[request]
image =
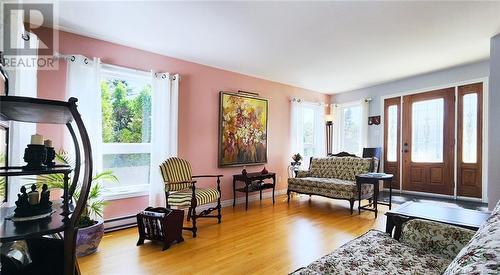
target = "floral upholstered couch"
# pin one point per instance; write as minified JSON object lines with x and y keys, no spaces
{"x":334,"y":177}
{"x":425,"y":247}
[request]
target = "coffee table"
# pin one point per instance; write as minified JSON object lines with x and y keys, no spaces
{"x":466,"y":218}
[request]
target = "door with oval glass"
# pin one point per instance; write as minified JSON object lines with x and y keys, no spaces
{"x":428,"y":134}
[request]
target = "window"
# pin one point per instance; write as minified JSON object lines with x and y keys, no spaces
{"x":427,"y":130}
{"x":308,"y":133}
{"x":350,"y":125}
{"x":126,"y":130}
{"x":392,"y":133}
{"x":469,"y":131}
{"x":308,"y":130}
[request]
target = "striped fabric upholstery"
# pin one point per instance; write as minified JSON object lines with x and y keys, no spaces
{"x":176,"y":170}
{"x":203,"y":196}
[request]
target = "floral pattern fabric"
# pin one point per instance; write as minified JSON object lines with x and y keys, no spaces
{"x":482,"y":254}
{"x":345,"y":168}
{"x":376,"y":252}
{"x":334,"y":177}
{"x":436,"y":238}
{"x":332,"y":188}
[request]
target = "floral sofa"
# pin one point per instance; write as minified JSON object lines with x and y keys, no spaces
{"x":334,"y":177}
{"x":425,"y":247}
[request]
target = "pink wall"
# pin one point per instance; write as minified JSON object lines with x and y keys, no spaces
{"x":198,"y":108}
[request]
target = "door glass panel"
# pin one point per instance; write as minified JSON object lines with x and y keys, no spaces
{"x":392,"y":133}
{"x":469,"y":130}
{"x":427,"y":131}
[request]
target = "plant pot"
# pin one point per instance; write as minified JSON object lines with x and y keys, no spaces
{"x":88,"y":239}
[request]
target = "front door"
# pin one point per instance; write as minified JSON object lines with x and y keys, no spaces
{"x":428,"y":141}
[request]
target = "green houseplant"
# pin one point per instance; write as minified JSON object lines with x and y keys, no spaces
{"x":90,"y":224}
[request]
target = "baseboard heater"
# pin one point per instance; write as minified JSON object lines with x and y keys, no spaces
{"x":120,"y":223}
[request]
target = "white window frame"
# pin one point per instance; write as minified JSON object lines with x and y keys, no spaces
{"x":339,"y":126}
{"x":121,"y":192}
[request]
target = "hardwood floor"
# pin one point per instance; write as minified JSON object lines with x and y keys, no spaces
{"x":266,"y":239}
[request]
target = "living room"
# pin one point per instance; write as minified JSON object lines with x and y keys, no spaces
{"x":322,"y":135}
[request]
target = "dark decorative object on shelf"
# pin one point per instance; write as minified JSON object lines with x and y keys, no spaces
{"x":33,"y":203}
{"x":264,"y":171}
{"x":374,"y":120}
{"x":51,"y":155}
{"x":35,"y":155}
{"x":244,"y":171}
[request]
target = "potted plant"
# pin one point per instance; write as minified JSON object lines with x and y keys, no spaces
{"x":296,"y":159}
{"x":90,"y":226}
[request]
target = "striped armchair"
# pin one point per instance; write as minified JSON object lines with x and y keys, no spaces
{"x":181,"y":191}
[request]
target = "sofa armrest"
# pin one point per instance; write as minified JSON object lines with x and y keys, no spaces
{"x":436,"y":238}
{"x":303,"y":174}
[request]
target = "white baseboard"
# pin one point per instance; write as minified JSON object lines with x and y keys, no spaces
{"x":131,"y":221}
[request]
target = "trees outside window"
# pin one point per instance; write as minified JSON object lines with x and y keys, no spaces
{"x":126,"y":130}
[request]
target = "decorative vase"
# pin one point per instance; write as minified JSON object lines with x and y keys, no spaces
{"x":89,"y":238}
{"x":264,"y":171}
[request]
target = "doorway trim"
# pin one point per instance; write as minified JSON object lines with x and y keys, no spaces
{"x":485,"y":81}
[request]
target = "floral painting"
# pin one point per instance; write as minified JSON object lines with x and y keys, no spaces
{"x":243,"y":130}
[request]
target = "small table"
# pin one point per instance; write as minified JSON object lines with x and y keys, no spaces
{"x":466,"y":218}
{"x":248,"y":178}
{"x":373,"y":178}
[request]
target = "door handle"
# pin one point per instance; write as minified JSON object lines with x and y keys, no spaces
{"x":405,"y":147}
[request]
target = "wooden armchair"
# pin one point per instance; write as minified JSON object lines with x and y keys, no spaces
{"x":181,"y":191}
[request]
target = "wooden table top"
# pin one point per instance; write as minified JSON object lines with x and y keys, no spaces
{"x":254,"y":175}
{"x":440,"y":213}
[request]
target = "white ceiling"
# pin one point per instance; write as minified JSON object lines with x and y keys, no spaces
{"x":323,"y":46}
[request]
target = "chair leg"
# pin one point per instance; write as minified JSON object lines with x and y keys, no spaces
{"x":288,"y":195}
{"x":351,"y":201}
{"x":219,"y":208}
{"x":194,"y":222}
{"x":189,"y":214}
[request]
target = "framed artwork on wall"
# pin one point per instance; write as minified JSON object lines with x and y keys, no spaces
{"x":242,"y":129}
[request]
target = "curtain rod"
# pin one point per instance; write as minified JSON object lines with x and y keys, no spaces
{"x":300,"y":100}
{"x":70,"y":56}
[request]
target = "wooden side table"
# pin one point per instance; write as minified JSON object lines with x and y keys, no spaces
{"x":160,"y":224}
{"x":374,"y":178}
{"x":248,"y":179}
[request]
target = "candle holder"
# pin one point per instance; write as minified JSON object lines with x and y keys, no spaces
{"x":35,"y":155}
{"x":51,"y":155}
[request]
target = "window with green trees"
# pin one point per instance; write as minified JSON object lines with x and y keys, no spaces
{"x":126,"y":111}
{"x":126,"y":130}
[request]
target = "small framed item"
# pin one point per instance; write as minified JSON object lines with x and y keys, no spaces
{"x":374,"y":120}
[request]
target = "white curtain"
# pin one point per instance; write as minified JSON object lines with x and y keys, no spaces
{"x":164,"y":136}
{"x":365,"y":110}
{"x":319,"y":130}
{"x":83,"y":82}
{"x":297,"y":128}
{"x":23,"y":82}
